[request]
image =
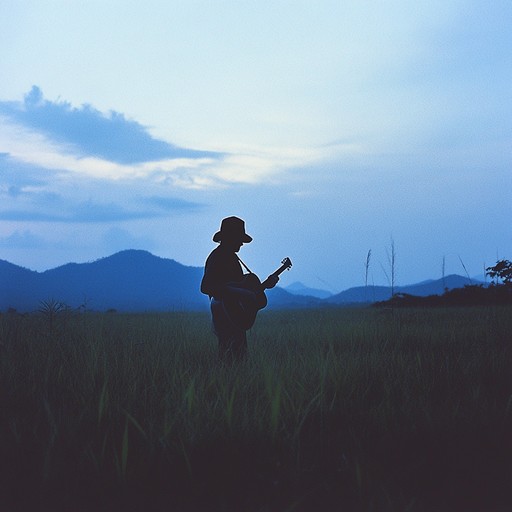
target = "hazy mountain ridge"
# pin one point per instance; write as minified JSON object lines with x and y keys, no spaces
{"x":136,"y":280}
{"x":422,"y":289}
{"x":298,"y":288}
{"x":130,"y":280}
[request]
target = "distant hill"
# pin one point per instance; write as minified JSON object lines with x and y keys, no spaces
{"x":280,"y":298}
{"x":379,"y":293}
{"x":130,"y":280}
{"x":17,"y":285}
{"x":135,"y":280}
{"x":298,"y":288}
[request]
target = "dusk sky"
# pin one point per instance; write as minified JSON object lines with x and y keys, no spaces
{"x":331,"y":127}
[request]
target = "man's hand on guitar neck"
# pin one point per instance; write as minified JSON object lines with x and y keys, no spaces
{"x":271,"y":281}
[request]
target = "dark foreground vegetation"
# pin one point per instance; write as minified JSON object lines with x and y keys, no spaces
{"x":343,"y":409}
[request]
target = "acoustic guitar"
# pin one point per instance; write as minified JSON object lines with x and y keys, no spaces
{"x":242,"y":313}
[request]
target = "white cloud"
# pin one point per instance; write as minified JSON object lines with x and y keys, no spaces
{"x":240,"y":164}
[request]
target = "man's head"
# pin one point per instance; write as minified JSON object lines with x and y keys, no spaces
{"x":232,"y":233}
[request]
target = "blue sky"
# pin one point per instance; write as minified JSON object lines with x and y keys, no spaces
{"x":331,"y":127}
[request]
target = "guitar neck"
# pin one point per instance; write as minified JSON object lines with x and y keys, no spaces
{"x":286,"y":265}
{"x":280,"y":270}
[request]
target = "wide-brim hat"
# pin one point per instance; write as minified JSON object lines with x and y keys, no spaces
{"x":232,"y":228}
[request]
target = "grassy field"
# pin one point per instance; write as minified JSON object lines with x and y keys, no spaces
{"x":343,"y":409}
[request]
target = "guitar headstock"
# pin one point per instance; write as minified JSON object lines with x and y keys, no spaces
{"x":287,"y":263}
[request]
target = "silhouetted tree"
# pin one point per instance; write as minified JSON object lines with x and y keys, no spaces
{"x":502,"y":270}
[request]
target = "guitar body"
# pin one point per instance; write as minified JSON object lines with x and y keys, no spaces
{"x":242,"y":311}
{"x":252,"y":283}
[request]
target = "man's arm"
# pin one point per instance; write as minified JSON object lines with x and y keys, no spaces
{"x":210,"y":285}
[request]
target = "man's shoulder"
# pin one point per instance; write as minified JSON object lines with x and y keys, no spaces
{"x":221,"y":256}
{"x":214,"y":254}
{"x":217,"y":254}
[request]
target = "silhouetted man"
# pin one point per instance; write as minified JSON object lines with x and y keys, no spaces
{"x":222,"y":278}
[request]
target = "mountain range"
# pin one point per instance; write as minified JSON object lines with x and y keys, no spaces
{"x":298,"y":288}
{"x":136,"y":280}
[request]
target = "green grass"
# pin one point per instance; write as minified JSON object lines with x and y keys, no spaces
{"x":334,"y":409}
